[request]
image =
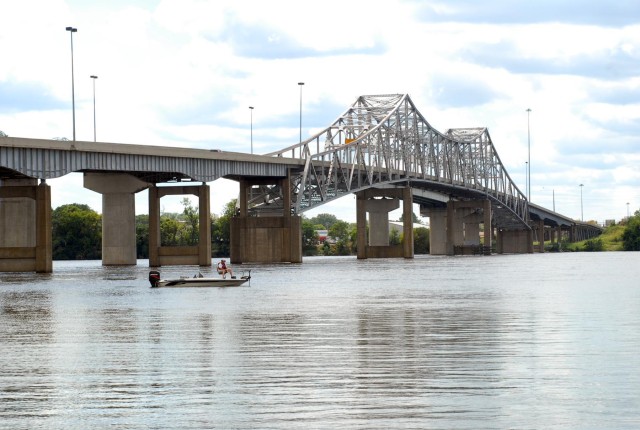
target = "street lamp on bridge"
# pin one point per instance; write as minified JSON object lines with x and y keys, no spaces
{"x":581,"y":210}
{"x":251,"y":111}
{"x":73,"y":97}
{"x":93,"y":78}
{"x":300,"y":84}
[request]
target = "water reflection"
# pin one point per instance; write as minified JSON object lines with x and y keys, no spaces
{"x":92,"y":347}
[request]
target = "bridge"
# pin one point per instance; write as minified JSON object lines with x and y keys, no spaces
{"x":381,"y":149}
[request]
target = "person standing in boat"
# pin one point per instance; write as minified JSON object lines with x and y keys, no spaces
{"x":223,"y":269}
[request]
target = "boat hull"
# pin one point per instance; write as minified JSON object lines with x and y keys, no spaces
{"x":201,"y":282}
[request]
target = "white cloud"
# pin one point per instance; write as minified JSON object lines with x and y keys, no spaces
{"x":183,"y":73}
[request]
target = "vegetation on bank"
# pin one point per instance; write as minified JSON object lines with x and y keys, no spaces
{"x":77,"y":234}
{"x":624,"y":236}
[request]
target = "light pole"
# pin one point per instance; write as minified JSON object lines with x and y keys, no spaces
{"x":627,"y":210}
{"x":529,"y":157}
{"x":251,"y":111}
{"x":73,"y":96}
{"x":93,"y":78}
{"x":526,"y":179}
{"x":581,"y":210}
{"x":300,"y":84}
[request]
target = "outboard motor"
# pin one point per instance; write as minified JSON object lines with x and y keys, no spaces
{"x":154,"y":277}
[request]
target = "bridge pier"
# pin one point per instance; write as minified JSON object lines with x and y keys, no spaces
{"x":378,"y":203}
{"x":25,"y":226}
{"x":118,"y":215}
{"x":437,"y":230}
{"x":266,"y":239}
{"x":514,"y":241}
{"x":199,"y":254}
{"x":456,"y":228}
{"x":540,"y":236}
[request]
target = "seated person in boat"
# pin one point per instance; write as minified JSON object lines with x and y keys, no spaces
{"x":223,"y":269}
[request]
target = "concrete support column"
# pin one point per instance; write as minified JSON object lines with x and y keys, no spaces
{"x":488,"y":229}
{"x":450,"y":228}
{"x":499,"y":241}
{"x":515,"y":241}
{"x":379,"y":202}
{"x":437,"y":231}
{"x":379,"y":219}
{"x":407,"y":222}
{"x":266,"y":239}
{"x":204,"y":225}
{"x":118,"y":215}
{"x":44,"y":238}
{"x":25,"y":226}
{"x":199,"y":254}
{"x":361,"y":223}
{"x":472,"y":234}
{"x":17,"y":215}
{"x":154,"y":227}
{"x":540,"y":236}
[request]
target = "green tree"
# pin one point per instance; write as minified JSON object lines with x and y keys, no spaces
{"x":394,"y":237}
{"x":309,"y":238}
{"x":76,"y":233}
{"x":326,"y":220}
{"x":421,"y":240}
{"x":631,"y":235}
{"x":192,"y":218}
{"x":221,"y":230}
{"x":339,"y":230}
{"x":594,"y":245}
{"x":170,"y":231}
{"x":353,"y":238}
{"x":142,"y":236}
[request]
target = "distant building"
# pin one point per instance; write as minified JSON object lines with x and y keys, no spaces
{"x":322,"y":235}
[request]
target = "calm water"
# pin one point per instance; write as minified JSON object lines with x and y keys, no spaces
{"x":520,"y":341}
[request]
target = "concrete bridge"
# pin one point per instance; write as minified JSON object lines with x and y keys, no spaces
{"x":380,"y":149}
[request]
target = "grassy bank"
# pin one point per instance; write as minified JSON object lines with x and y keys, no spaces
{"x":609,"y":240}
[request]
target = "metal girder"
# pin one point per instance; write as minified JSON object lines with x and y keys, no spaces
{"x":383,"y":139}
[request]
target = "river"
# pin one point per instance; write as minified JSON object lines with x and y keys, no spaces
{"x":534,"y":341}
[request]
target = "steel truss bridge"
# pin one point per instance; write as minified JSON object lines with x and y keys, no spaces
{"x":380,"y":141}
{"x":384,"y":141}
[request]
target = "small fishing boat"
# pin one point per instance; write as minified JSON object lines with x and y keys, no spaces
{"x":197,"y":281}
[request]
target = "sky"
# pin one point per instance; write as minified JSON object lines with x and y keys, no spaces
{"x":183,"y":73}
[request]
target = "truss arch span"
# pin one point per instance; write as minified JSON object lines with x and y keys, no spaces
{"x":383,"y":139}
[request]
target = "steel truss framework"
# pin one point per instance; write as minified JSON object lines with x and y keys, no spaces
{"x":382,"y":140}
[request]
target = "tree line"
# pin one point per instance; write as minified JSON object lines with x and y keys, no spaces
{"x":77,"y":233}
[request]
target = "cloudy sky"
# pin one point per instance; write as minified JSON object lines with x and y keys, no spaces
{"x":184,"y":73}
